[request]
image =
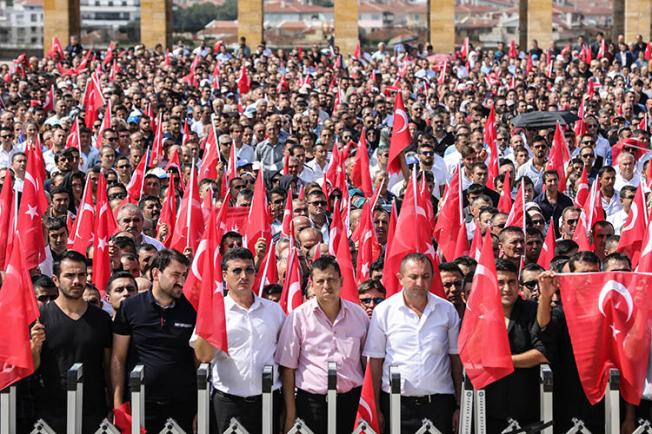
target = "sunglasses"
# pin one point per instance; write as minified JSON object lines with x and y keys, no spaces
{"x":237,"y":271}
{"x":455,"y":283}
{"x":115,"y":196}
{"x":369,"y":300}
{"x":531,"y":284}
{"x":318,"y":203}
{"x":538,"y":222}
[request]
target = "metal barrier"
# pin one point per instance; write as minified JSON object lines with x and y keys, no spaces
{"x":137,"y":388}
{"x":331,"y":398}
{"x":41,"y":427}
{"x":427,"y":427}
{"x":268,"y":399}
{"x":8,"y":410}
{"x":107,"y":427}
{"x":203,"y":399}
{"x":546,"y":386}
{"x":395,"y":400}
{"x":644,"y":427}
{"x":172,"y":427}
{"x":578,"y":427}
{"x":75,"y":399}
{"x":480,"y":411}
{"x":300,"y":427}
{"x":466,"y":406}
{"x":364,"y":428}
{"x":612,"y":403}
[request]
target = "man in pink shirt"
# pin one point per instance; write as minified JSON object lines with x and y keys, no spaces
{"x":326,"y":328}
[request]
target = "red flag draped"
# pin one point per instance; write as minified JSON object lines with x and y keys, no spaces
{"x":607,"y":316}
{"x":559,"y":156}
{"x":169,"y":212}
{"x":400,"y":138}
{"x":360,"y":176}
{"x":490,"y":140}
{"x":105,"y":226}
{"x":82,"y":234}
{"x":505,"y":202}
{"x":258,"y":222}
{"x":548,"y":248}
{"x":33,"y":206}
{"x":6,"y":216}
{"x":483,"y":343}
{"x":450,"y":221}
{"x":632,"y":233}
{"x":190,"y":221}
{"x":349,"y":289}
{"x":367,"y":407}
{"x":291,"y":297}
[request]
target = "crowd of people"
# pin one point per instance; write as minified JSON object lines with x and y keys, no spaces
{"x":306,"y":137}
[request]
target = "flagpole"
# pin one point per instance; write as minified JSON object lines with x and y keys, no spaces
{"x":189,"y":210}
{"x":267,"y":261}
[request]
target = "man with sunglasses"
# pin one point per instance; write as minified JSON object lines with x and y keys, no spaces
{"x":7,"y":147}
{"x":371,"y":293}
{"x":253,"y":325}
{"x":618,"y":219}
{"x":529,"y":281}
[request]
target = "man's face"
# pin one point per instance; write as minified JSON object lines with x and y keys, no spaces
{"x":58,"y":239}
{"x":60,"y":202}
{"x":120,"y":290}
{"x":152,"y":186}
{"x":512,"y":245}
{"x":600,"y":235}
{"x":299,"y":208}
{"x":170,"y":281}
{"x":452,"y":282}
{"x":479,"y":176}
{"x":551,"y":183}
{"x":508,"y":287}
{"x":316,"y":205}
{"x":370,"y":299}
{"x":569,"y":223}
{"x":131,"y":221}
{"x":533,"y":245}
{"x":540,"y":150}
{"x":19,"y":163}
{"x":627,"y":166}
{"x":45,"y":295}
{"x":381,"y":224}
{"x":326,"y":284}
{"x":426,"y":155}
{"x":152,"y":209}
{"x":71,"y":280}
{"x":530,"y":284}
{"x":586,"y":267}
{"x":529,"y":192}
{"x":416,"y":277}
{"x":239,"y":275}
{"x":276,"y":205}
{"x":607,"y":181}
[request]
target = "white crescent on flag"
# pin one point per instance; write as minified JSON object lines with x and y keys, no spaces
{"x":618,"y":287}
{"x":401,"y":113}
{"x":632,"y":221}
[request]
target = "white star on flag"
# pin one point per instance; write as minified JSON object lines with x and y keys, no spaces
{"x":31,"y":211}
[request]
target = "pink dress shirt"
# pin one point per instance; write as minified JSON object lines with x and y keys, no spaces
{"x":308,"y":341}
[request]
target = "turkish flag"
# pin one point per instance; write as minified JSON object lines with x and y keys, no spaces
{"x":368,"y":247}
{"x":490,"y":140}
{"x":244,"y":84}
{"x":190,"y":221}
{"x":513,"y":52}
{"x":82,"y":233}
{"x":516,"y":216}
{"x":291,"y":297}
{"x":528,"y":64}
{"x":56,"y":49}
{"x":73,"y":140}
{"x":631,"y":145}
{"x":211,"y":318}
{"x":267,"y":271}
{"x":157,"y":146}
{"x":360,"y":176}
{"x":582,"y":189}
{"x":400,"y":138}
{"x":104,"y":227}
{"x":607,"y":316}
{"x":33,"y":205}
{"x":632,"y":233}
{"x":450,"y":218}
{"x":50,"y":100}
{"x":602,"y":52}
{"x":505,"y":202}
{"x":367,"y":410}
{"x":349,"y":289}
{"x":18,"y":309}
{"x":232,"y":168}
{"x":287,"y":228}
{"x":92,"y":101}
{"x":137,"y":181}
{"x":391,"y":229}
{"x":106,"y":123}
{"x":483,"y":343}
{"x":559,"y":156}
{"x":336,"y":229}
{"x":259,"y":221}
{"x":645,"y":258}
{"x":548,"y":248}
{"x":208,"y":166}
{"x":169,"y":212}
{"x":6,"y":216}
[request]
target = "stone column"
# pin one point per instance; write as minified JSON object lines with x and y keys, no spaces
{"x":156,"y":23}
{"x":618,"y":19}
{"x":535,"y":22}
{"x":250,"y":21}
{"x":637,"y":20}
{"x":441,"y":25}
{"x":345,"y":14}
{"x":61,"y":19}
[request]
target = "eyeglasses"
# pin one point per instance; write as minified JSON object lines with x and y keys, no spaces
{"x":46,"y":298}
{"x":128,"y":288}
{"x":7,"y":136}
{"x":369,"y":300}
{"x":538,"y":222}
{"x":112,"y":139}
{"x":586,"y":156}
{"x":530,"y":284}
{"x":115,"y":196}
{"x":455,"y":283}
{"x":237,"y":271}
{"x":572,"y":221}
{"x":427,"y":153}
{"x":318,"y":203}
{"x":124,"y":166}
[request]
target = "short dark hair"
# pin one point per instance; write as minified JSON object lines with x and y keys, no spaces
{"x":564,"y":247}
{"x":605,"y":169}
{"x":583,"y":256}
{"x":616,"y":256}
{"x":236,"y":253}
{"x":69,"y":256}
{"x":533,"y":266}
{"x":557,"y":263}
{"x":164,"y":257}
{"x":272,"y":288}
{"x":417,"y":257}
{"x":43,"y":281}
{"x":323,"y":262}
{"x":450,"y":267}
{"x":506,"y":266}
{"x":120,"y":275}
{"x":55,"y":223}
{"x":370,"y":285}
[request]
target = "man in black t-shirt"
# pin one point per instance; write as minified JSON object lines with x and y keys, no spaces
{"x":71,"y":331}
{"x":153,"y":329}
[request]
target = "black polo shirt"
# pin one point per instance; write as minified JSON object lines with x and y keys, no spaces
{"x":159,"y":341}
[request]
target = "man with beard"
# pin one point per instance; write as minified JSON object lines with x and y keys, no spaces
{"x":71,"y":331}
{"x":153,"y":329}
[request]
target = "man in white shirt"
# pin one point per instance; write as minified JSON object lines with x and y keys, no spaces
{"x":535,"y":167}
{"x":253,"y":325}
{"x":619,"y":218}
{"x":7,"y":148}
{"x":416,"y":332}
{"x":610,"y":197}
{"x":131,"y":219}
{"x":627,"y":174}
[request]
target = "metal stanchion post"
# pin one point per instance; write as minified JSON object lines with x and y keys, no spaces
{"x":268,"y":399}
{"x":137,"y":388}
{"x":203,"y":399}
{"x":75,"y":398}
{"x":545,"y":380}
{"x":612,"y":403}
{"x":331,"y":398}
{"x":466,"y":407}
{"x":8,"y":410}
{"x":395,"y":401}
{"x":480,"y":412}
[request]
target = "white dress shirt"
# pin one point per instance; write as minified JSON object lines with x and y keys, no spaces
{"x":419,"y":347}
{"x":528,"y":169}
{"x":252,"y":335}
{"x":618,"y":220}
{"x":153,"y":241}
{"x":621,"y":182}
{"x":613,"y":205}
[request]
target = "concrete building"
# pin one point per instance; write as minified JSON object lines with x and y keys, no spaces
{"x":21,"y":24}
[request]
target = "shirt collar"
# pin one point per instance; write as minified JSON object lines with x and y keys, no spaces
{"x":152,"y":300}
{"x":230,"y":304}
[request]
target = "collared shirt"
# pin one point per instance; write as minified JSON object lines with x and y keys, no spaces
{"x":528,"y":169}
{"x":418,"y":346}
{"x":611,"y":205}
{"x":6,"y":156}
{"x":270,"y":156}
{"x":618,"y":220}
{"x":153,"y":241}
{"x":309,"y":341}
{"x":159,"y":341}
{"x":246,"y":152}
{"x":621,"y":182}
{"x":252,"y":335}
{"x":553,"y":210}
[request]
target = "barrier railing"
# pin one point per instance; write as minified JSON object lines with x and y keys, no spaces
{"x":472,"y":412}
